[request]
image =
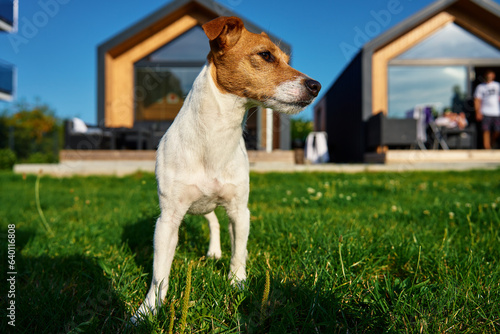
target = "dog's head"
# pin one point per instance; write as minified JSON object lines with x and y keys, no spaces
{"x":252,"y":66}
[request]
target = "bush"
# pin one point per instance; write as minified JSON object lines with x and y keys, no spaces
{"x":41,"y":158}
{"x":7,"y":158}
{"x":32,"y":131}
{"x":300,"y":129}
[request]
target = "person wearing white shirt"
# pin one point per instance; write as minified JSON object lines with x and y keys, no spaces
{"x":487,"y":105}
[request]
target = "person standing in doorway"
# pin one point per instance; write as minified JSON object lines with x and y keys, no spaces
{"x":487,"y":105}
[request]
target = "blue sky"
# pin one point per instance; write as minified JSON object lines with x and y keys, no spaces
{"x":55,"y":48}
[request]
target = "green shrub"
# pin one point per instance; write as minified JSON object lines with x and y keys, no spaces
{"x":7,"y":158}
{"x":41,"y":158}
{"x":300,"y":128}
{"x":31,"y":129}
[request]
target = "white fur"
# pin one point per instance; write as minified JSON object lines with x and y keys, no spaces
{"x":201,"y":163}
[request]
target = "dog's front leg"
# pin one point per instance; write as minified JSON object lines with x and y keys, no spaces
{"x":165,"y":240}
{"x":239,"y":229}
{"x":214,"y":249}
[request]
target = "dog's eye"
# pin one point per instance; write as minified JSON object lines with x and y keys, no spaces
{"x":267,"y":56}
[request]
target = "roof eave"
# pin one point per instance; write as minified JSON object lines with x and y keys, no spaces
{"x":422,"y":16}
{"x":488,"y":5}
{"x":407,"y":24}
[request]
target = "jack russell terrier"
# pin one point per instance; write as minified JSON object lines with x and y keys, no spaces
{"x":202,"y":161}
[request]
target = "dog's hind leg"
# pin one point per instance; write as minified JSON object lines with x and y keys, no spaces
{"x":239,"y":229}
{"x":214,"y":249}
{"x":165,"y":240}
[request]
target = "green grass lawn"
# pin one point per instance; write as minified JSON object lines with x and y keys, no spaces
{"x":408,"y":252}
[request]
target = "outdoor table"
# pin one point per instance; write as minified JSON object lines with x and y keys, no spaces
{"x":139,"y":136}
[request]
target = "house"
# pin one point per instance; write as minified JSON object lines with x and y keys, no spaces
{"x":436,"y":58}
{"x":145,"y":72}
{"x":8,"y":23}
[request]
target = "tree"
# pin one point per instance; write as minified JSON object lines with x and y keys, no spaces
{"x":31,"y":130}
{"x":300,"y":129}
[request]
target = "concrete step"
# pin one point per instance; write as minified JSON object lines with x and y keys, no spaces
{"x":433,"y":156}
{"x":276,"y":156}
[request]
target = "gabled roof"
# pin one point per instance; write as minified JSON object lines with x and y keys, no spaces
{"x":487,"y":7}
{"x":175,"y":7}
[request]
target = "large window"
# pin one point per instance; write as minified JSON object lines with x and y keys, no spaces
{"x":436,"y":70}
{"x":440,"y":86}
{"x":164,"y":77}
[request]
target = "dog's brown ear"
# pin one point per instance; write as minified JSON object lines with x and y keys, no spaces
{"x":223,"y":32}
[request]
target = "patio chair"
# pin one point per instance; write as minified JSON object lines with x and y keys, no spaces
{"x":423,"y":114}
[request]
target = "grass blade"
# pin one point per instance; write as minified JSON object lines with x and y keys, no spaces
{"x":172,"y":317}
{"x":265,"y":296}
{"x":185,"y":301}
{"x":39,"y":207}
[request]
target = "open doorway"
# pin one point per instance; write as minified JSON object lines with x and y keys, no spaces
{"x":479,"y":77}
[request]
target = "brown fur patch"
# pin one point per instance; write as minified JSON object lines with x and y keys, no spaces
{"x":251,"y":67}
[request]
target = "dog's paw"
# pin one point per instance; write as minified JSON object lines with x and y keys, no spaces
{"x":134,"y":321}
{"x":240,"y":285}
{"x":214,"y":254}
{"x":141,"y":316}
{"x":137,"y":318}
{"x":238,"y":278}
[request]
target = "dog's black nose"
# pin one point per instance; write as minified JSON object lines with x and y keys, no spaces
{"x":313,"y":87}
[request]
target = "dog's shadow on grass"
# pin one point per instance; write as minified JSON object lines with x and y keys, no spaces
{"x":62,"y":294}
{"x":139,"y":238}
